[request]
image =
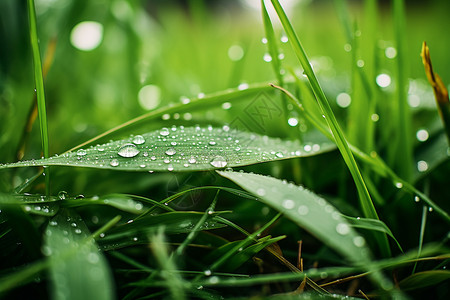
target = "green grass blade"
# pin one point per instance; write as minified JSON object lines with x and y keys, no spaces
{"x":137,"y":232}
{"x":403,"y":143}
{"x":372,"y":224}
{"x":39,"y":81}
{"x":365,"y":201}
{"x":375,"y":163}
{"x":174,"y":281}
{"x":272,"y":44}
{"x":197,"y":227}
{"x":184,"y":149}
{"x":310,"y":212}
{"x":211,"y":100}
{"x":229,"y":254}
{"x":83,"y":275}
{"x":421,"y":235}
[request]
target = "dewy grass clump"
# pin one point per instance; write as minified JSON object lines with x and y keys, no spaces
{"x":191,"y":160}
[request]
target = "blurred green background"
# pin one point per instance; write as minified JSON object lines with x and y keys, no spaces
{"x":179,"y":48}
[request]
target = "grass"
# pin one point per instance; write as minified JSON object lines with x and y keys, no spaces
{"x":228,"y":175}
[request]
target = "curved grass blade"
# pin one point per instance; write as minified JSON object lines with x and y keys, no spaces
{"x":372,"y":224}
{"x":244,"y":254}
{"x":211,"y":100}
{"x":81,"y":274}
{"x":39,"y":81}
{"x":137,"y":231}
{"x":365,"y":200}
{"x":183,"y":149}
{"x":424,"y":279}
{"x":312,"y":213}
{"x":374,"y":162}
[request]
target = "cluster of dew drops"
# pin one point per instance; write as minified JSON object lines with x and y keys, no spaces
{"x":202,"y":138}
{"x":130,"y":150}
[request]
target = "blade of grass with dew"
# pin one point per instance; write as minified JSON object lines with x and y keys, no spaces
{"x":310,"y":212}
{"x":39,"y":81}
{"x":272,"y":44}
{"x":83,"y":275}
{"x":197,"y":227}
{"x":228,"y":255}
{"x":422,"y":233}
{"x":402,"y":147}
{"x":365,"y":201}
{"x":361,"y":126}
{"x":174,"y":281}
{"x":137,"y":231}
{"x":375,"y":163}
{"x":211,"y":100}
{"x":244,"y":253}
{"x":372,"y":224}
{"x":183,"y":149}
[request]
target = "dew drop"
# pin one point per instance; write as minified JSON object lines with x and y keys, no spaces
{"x":383,"y":80}
{"x":170,"y":151}
{"x":359,"y":241}
{"x":62,"y":195}
{"x":243,"y":86}
{"x":114,"y":163}
{"x":81,"y":152}
{"x":398,"y":185}
{"x":342,"y":228}
{"x":422,"y":135}
{"x":416,"y":198}
{"x":288,"y":204}
{"x":214,"y":280}
{"x":128,"y":150}
{"x":164,"y":132}
{"x":279,"y":154}
{"x":303,"y":210}
{"x":207,"y":272}
{"x":267,"y":57}
{"x":77,"y":230}
{"x":212,"y":143}
{"x":292,"y":122}
{"x":218,"y":162}
{"x":430,"y":209}
{"x":226,"y":105}
{"x":261,"y":192}
{"x":422,"y":166}
{"x":192,"y":160}
{"x":170,"y":168}
{"x":138,"y":140}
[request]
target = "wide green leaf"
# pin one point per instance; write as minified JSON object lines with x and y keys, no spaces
{"x":183,"y":149}
{"x":310,"y":212}
{"x":78,"y":269}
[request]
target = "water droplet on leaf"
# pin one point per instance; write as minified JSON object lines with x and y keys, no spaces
{"x":218,"y":162}
{"x":128,"y":150}
{"x":138,"y":140}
